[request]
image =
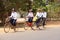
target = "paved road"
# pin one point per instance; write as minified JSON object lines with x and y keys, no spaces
{"x":47,"y":34}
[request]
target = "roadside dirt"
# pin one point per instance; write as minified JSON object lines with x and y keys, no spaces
{"x":53,"y":22}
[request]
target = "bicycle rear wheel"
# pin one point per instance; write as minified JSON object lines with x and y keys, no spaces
{"x":6,"y":28}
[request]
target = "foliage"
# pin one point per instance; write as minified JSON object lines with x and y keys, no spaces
{"x":51,"y":6}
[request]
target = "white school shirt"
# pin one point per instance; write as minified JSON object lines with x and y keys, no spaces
{"x":44,"y":14}
{"x":14,"y":15}
{"x":30,"y":14}
{"x":39,"y":14}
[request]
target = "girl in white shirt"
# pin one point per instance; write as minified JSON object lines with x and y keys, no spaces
{"x":13,"y":17}
{"x":30,"y":18}
{"x":39,"y":16}
{"x":44,"y":17}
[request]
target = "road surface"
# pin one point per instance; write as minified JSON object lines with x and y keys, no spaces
{"x":50,"y":33}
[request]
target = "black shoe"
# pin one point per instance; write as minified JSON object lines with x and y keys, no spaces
{"x":40,"y":29}
{"x":32,"y":29}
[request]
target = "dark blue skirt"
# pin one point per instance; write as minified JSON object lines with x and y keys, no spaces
{"x":30,"y":20}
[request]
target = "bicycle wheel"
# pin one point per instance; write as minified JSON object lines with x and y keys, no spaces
{"x":25,"y":26}
{"x":6,"y":28}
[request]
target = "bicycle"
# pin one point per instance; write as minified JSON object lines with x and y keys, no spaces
{"x":8,"y":25}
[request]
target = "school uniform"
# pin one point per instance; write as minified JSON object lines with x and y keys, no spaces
{"x":44,"y":17}
{"x":30,"y":18}
{"x":39,"y":16}
{"x":13,"y":18}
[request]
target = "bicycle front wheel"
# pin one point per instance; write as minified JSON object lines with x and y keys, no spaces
{"x":6,"y":28}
